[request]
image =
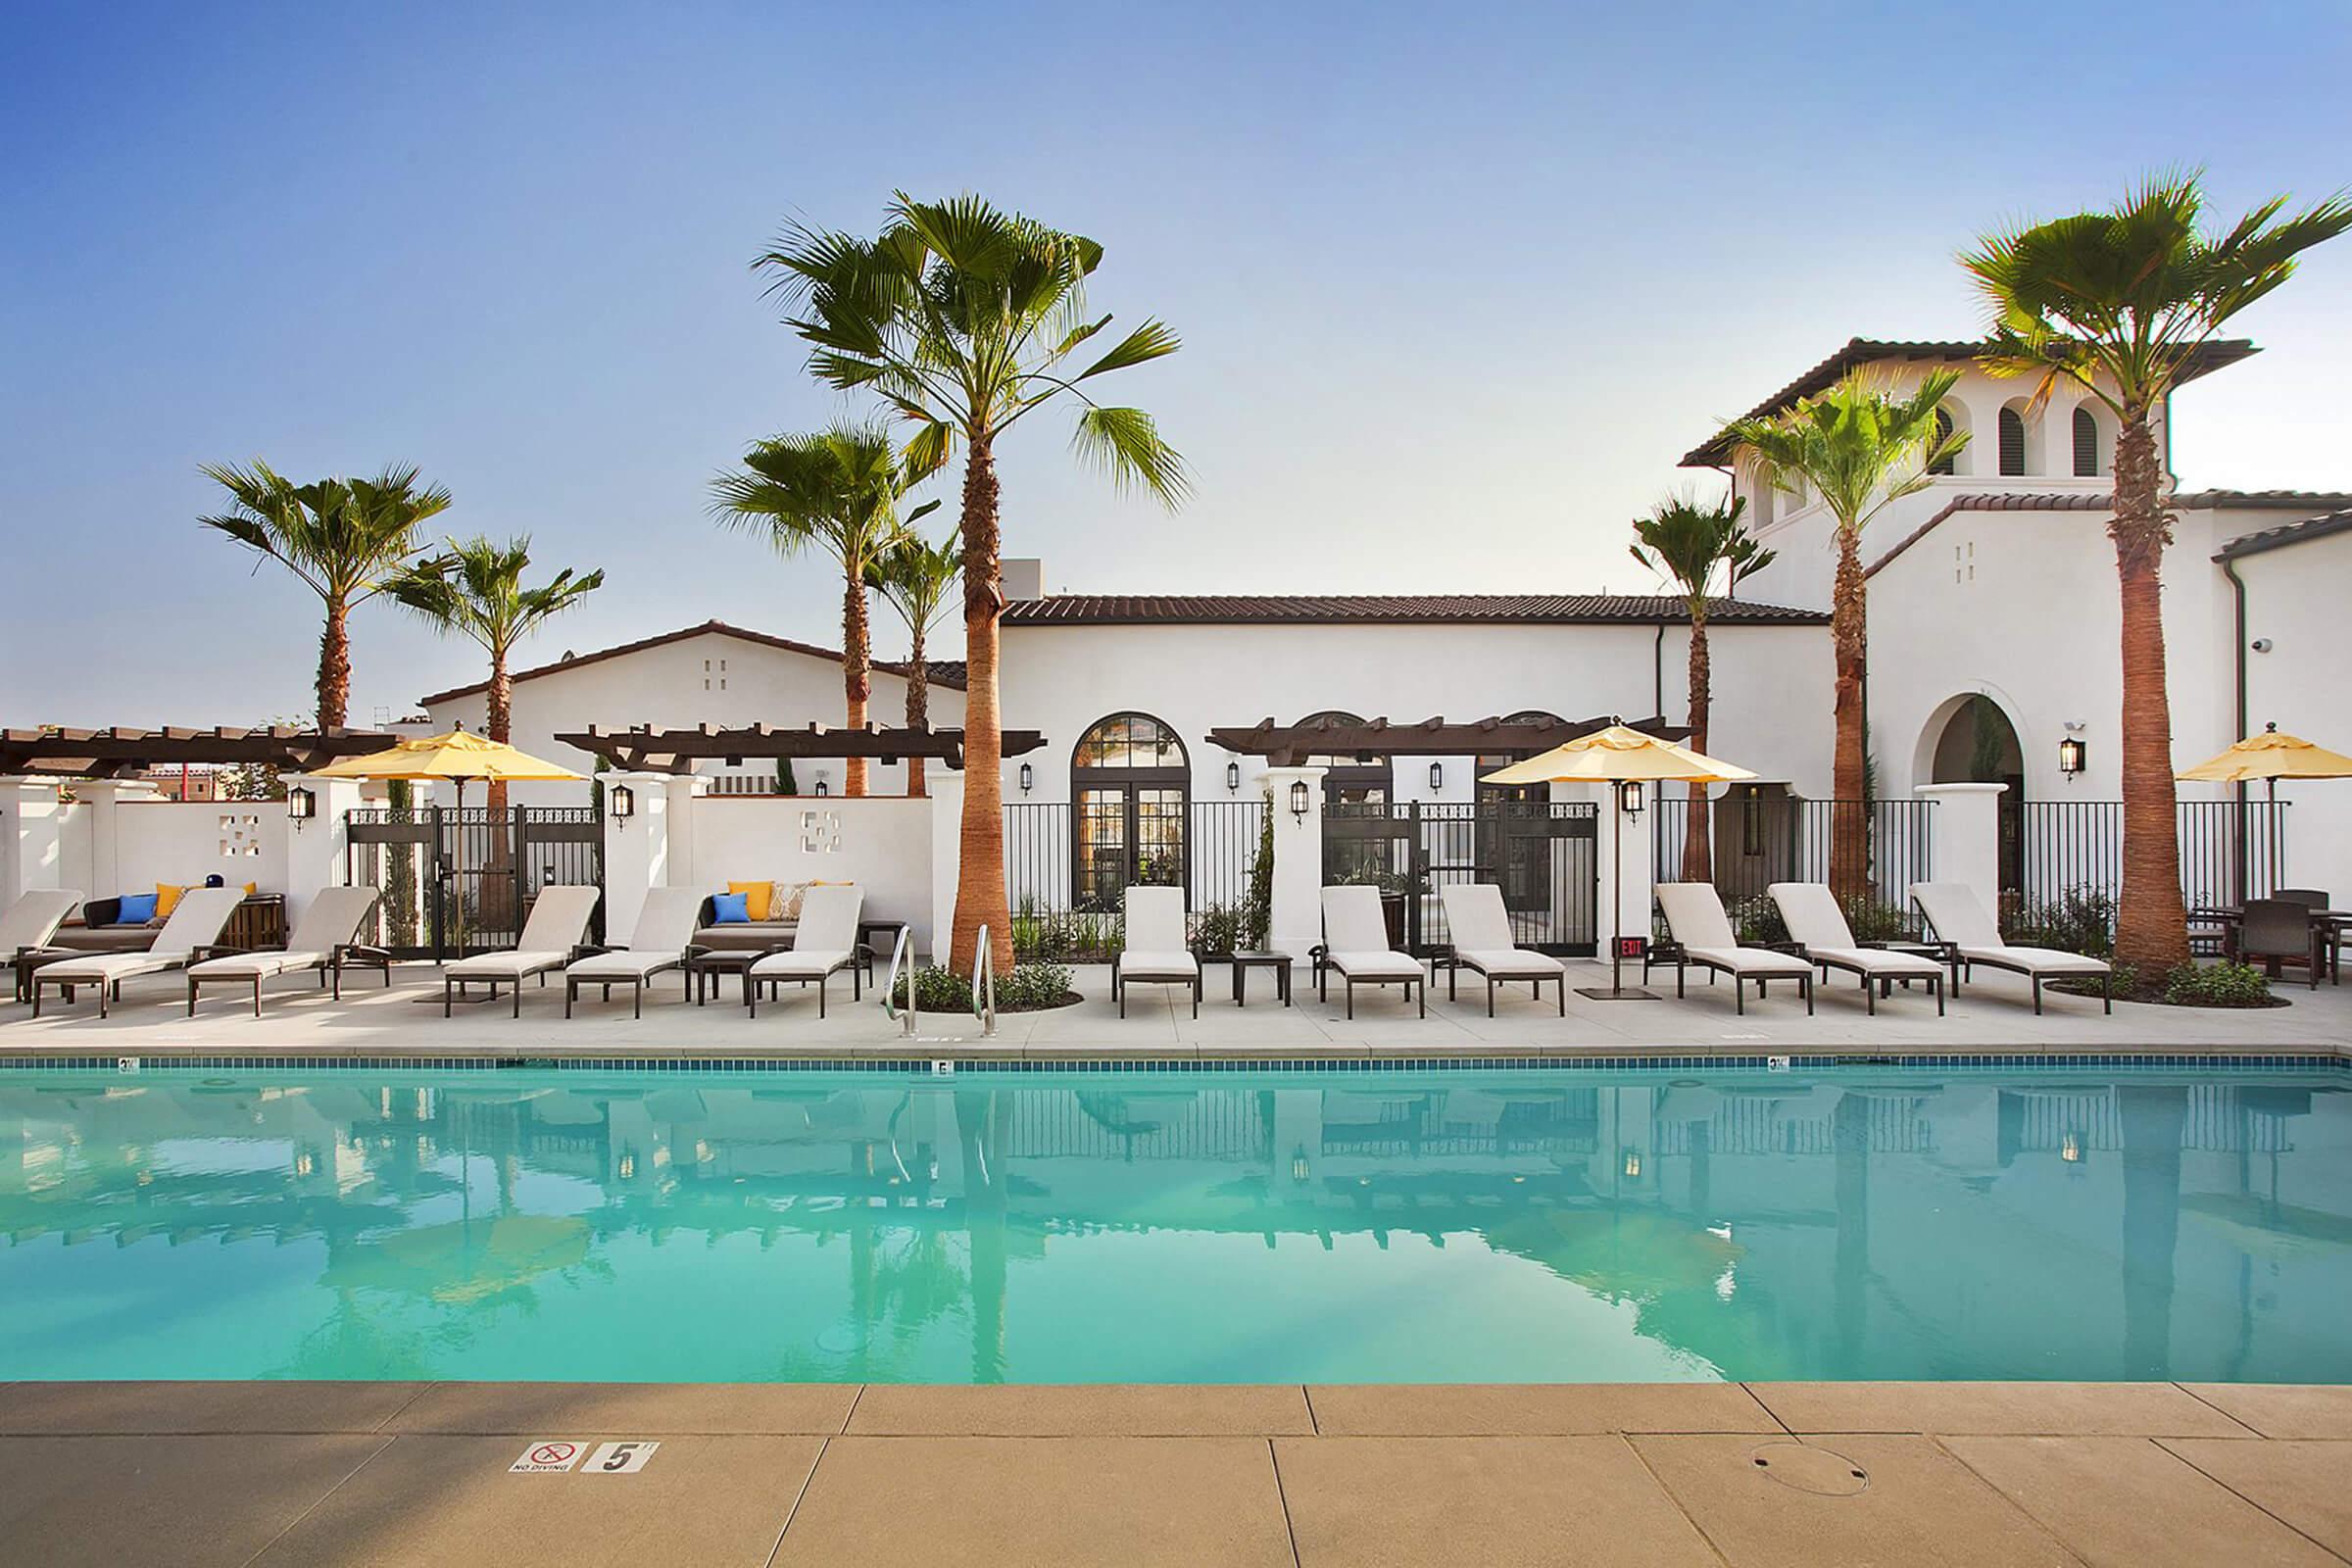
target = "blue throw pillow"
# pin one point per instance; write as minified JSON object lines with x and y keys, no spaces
{"x":726,"y":909}
{"x":137,"y":909}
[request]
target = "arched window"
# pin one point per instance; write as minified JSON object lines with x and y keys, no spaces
{"x":1949,"y":461}
{"x":1358,"y":779}
{"x":2086,"y":443}
{"x":2013,"y":441}
{"x":1130,"y":795}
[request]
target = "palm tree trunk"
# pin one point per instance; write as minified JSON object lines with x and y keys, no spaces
{"x":918,"y":702}
{"x":856,"y":673}
{"x":1696,"y":866}
{"x":2151,"y":925}
{"x":499,"y":713}
{"x":1849,"y":853}
{"x":335,"y":667}
{"x":980,"y":897}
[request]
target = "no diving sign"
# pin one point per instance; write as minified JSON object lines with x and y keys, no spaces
{"x":547,"y":1455}
{"x":554,"y":1455}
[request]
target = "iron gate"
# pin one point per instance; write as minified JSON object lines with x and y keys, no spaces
{"x":1543,"y":854}
{"x":457,"y":881}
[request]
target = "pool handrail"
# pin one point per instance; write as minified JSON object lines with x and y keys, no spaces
{"x":984,"y":988}
{"x":902,"y":954}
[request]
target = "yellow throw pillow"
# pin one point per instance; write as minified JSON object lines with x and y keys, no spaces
{"x":167,"y":897}
{"x":758,"y":898}
{"x":252,"y":888}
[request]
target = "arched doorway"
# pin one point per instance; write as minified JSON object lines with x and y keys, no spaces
{"x":1130,"y":793}
{"x":1975,"y":742}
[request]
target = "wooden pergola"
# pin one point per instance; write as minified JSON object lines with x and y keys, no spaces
{"x":1291,"y":744}
{"x":653,"y":749}
{"x":114,"y":752}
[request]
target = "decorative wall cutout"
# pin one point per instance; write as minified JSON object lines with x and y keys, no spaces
{"x":820,"y":832}
{"x":240,"y":836}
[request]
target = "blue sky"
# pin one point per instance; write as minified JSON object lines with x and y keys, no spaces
{"x":1457,"y":285}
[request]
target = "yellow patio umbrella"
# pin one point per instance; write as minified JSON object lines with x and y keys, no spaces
{"x":1626,"y":758}
{"x":2269,"y":757}
{"x":457,"y":756}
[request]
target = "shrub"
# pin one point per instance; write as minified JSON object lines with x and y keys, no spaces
{"x":1061,"y":935}
{"x":2078,"y":920}
{"x":1257,"y":905}
{"x":1758,"y":920}
{"x":1872,"y":921}
{"x":1023,"y":988}
{"x":1217,"y":928}
{"x":2220,"y":985}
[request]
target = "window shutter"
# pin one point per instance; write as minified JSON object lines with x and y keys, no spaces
{"x":2086,"y":443}
{"x":2013,"y":442}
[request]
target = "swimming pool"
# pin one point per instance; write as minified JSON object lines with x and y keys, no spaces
{"x":1866,"y":1221}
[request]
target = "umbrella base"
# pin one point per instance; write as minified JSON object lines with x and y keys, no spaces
{"x":1618,"y":993}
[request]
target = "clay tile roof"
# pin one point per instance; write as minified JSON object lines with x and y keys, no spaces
{"x":2292,"y":533}
{"x":2103,"y":501}
{"x":944,"y":673}
{"x":1715,"y":450}
{"x":1556,"y":610}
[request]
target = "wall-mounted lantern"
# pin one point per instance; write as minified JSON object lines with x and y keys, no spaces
{"x":1437,"y":777}
{"x":302,"y":805}
{"x":1631,"y":796}
{"x":2072,"y":755}
{"x":1028,"y":777}
{"x":1232,"y":778}
{"x":822,"y":788}
{"x":623,"y":801}
{"x":1299,"y":799}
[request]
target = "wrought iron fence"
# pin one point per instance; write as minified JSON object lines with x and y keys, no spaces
{"x":1542,"y":853}
{"x":1046,"y":852}
{"x":1753,"y":840}
{"x":2072,"y":853}
{"x":449,"y":877}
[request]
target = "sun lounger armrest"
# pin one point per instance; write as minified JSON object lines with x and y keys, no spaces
{"x":589,"y":950}
{"x":343,"y":953}
{"x":217,"y":950}
{"x":1796,"y":949}
{"x":771,"y":952}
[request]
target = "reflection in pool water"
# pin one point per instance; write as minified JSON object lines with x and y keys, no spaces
{"x":1524,"y":1226}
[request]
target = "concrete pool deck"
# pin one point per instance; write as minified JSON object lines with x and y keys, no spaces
{"x":1761,"y":1474}
{"x":405,"y":1019}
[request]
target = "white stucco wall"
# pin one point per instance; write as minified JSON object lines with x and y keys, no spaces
{"x":164,"y":841}
{"x":1803,"y":533}
{"x":670,"y":685}
{"x":881,"y":844}
{"x":2296,"y":600}
{"x":1770,"y":688}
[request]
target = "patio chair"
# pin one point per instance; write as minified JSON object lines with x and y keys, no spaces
{"x":27,"y":927}
{"x":664,"y":939}
{"x":1155,"y":952}
{"x":196,"y":923}
{"x":2277,"y":932}
{"x":1483,"y":942}
{"x":1958,"y":918}
{"x":551,"y":937}
{"x":1809,"y":910}
{"x":1702,"y":934}
{"x":823,"y":944}
{"x":2331,"y":935}
{"x":324,"y":939}
{"x":1355,"y":941}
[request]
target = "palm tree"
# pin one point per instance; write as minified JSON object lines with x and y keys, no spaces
{"x":2118,"y":304}
{"x":913,"y":577}
{"x":476,"y":591}
{"x":838,"y":492}
{"x":1860,"y":444}
{"x":1689,"y":544}
{"x":343,"y":537}
{"x":962,"y":318}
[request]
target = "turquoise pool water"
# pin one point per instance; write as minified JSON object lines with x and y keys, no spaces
{"x":1528,"y":1225}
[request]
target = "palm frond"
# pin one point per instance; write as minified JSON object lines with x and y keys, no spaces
{"x":1127,"y":445}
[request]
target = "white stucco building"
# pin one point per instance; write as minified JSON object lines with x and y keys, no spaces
{"x":712,"y":673}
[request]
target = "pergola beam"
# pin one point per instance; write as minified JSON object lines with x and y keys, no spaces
{"x":654,"y":749}
{"x":1290,"y":745}
{"x":114,"y":751}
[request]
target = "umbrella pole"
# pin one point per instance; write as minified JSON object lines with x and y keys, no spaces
{"x":1617,"y":991}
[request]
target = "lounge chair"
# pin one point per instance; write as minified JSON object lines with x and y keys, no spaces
{"x":195,"y":925}
{"x":823,"y":944}
{"x":1702,"y":934}
{"x":1155,"y":952}
{"x":551,"y":937}
{"x":1958,"y":918}
{"x":1483,"y":944}
{"x":27,"y":927}
{"x":1809,"y":910}
{"x":1355,"y":941}
{"x":325,"y":938}
{"x":662,"y":941}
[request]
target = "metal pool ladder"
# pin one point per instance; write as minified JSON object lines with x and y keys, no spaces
{"x":901,"y":961}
